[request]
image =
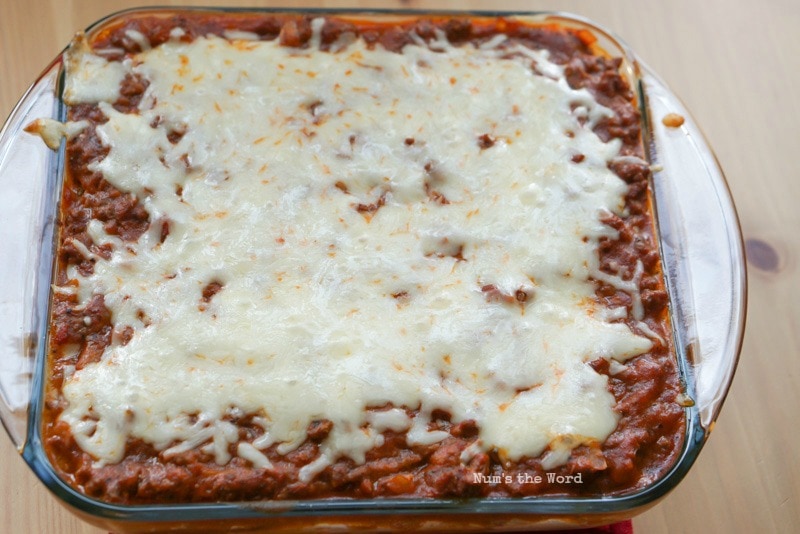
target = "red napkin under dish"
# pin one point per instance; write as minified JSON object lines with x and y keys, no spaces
{"x":625,"y":527}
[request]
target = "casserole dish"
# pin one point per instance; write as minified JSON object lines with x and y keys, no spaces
{"x":436,"y":512}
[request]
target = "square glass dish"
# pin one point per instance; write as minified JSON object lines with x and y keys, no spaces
{"x":701,"y":252}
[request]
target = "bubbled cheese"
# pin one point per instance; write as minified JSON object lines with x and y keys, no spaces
{"x":371,"y":218}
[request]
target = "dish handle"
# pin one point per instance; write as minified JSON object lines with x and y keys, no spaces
{"x":27,"y":217}
{"x":702,"y":249}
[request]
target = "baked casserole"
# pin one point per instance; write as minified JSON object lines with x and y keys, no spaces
{"x":311,"y":257}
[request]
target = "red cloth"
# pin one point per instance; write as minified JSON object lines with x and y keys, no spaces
{"x":625,"y":527}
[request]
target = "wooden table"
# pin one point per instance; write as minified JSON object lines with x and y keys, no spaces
{"x":736,"y":67}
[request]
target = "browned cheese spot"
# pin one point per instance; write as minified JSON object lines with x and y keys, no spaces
{"x":485,"y":141}
{"x":672,"y":120}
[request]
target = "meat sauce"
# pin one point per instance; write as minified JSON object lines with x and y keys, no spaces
{"x":644,"y":445}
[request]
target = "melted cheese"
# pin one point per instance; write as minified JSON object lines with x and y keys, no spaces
{"x":51,"y":131}
{"x":311,"y":186}
{"x":91,"y":78}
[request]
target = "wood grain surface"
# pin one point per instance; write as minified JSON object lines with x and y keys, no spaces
{"x":737,"y":67}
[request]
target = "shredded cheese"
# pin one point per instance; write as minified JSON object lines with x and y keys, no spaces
{"x":369,"y":249}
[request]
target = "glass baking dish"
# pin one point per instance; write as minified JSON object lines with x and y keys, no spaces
{"x":702,"y":254}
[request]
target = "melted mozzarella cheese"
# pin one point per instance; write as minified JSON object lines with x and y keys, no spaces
{"x":311,"y":187}
{"x":91,"y":78}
